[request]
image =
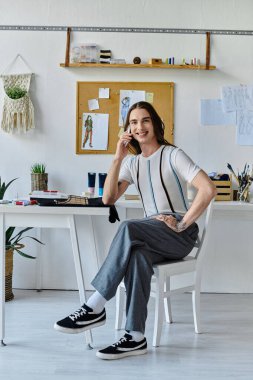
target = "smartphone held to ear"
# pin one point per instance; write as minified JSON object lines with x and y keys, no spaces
{"x":128,"y":131}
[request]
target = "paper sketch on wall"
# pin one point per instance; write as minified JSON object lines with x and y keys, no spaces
{"x":212,"y":113}
{"x":235,"y":98}
{"x":127,"y":99}
{"x":239,"y":98}
{"x":95,"y":131}
{"x":234,"y":108}
{"x":244,"y":133}
{"x":18,"y":110}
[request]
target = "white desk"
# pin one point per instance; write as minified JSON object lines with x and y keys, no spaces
{"x":217,"y":206}
{"x":227,"y":209}
{"x":45,"y":217}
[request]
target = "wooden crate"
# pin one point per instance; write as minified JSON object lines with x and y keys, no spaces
{"x":224,"y":190}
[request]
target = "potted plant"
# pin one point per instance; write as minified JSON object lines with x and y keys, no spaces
{"x":13,"y":244}
{"x":39,"y":176}
{"x":4,"y":187}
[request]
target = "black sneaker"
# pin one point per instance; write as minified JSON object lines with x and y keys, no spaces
{"x":126,"y":346}
{"x":81,"y":320}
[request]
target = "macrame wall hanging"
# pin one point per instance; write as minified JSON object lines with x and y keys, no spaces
{"x":18,"y":110}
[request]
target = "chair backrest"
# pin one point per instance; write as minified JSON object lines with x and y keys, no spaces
{"x":203,"y":241}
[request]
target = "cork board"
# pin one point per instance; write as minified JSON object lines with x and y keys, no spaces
{"x":163,"y":102}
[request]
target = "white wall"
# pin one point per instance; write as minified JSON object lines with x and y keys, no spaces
{"x":54,"y":97}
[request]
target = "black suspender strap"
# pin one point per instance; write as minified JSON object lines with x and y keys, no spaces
{"x":138,"y":185}
{"x":178,"y":182}
{"x":164,"y":188}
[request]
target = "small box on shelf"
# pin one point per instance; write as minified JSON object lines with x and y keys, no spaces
{"x":155,"y":61}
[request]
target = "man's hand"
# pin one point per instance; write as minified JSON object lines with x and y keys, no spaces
{"x":122,"y":150}
{"x":172,"y":222}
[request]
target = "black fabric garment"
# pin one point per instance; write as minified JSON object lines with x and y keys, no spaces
{"x":113,"y":213}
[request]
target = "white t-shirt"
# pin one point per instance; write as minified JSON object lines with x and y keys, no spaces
{"x":150,"y":183}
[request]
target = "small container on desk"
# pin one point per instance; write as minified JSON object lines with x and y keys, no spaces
{"x":224,"y":190}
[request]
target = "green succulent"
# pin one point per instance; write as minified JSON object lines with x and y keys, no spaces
{"x":15,"y":92}
{"x":4,"y":187}
{"x":13,"y":242}
{"x":38,"y":168}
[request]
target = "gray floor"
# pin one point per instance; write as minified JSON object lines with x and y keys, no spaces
{"x":35,"y":351}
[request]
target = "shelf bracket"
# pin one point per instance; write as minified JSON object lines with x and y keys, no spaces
{"x":208,"y":34}
{"x":67,"y":47}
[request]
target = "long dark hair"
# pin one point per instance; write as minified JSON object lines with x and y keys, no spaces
{"x":157,"y":122}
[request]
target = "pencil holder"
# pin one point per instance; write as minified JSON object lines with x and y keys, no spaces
{"x":243,"y":194}
{"x":39,"y":181}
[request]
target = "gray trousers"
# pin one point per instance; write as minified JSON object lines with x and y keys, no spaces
{"x":136,"y":247}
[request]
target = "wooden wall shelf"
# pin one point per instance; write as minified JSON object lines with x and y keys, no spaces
{"x":207,"y":65}
{"x":140,"y":66}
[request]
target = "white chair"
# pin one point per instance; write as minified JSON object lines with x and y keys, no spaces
{"x":162,"y":292}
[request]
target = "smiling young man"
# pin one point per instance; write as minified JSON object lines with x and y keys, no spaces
{"x":168,"y":231}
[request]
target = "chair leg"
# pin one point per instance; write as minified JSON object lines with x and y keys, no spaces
{"x":158,"y":307}
{"x":120,"y":303}
{"x":196,"y":307}
{"x":167,"y":303}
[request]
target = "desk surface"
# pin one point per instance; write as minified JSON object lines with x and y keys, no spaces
{"x":222,"y":205}
{"x":12,"y":209}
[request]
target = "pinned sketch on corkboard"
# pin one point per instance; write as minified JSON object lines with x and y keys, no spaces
{"x":126,"y":99}
{"x":95,"y":131}
{"x":99,"y":119}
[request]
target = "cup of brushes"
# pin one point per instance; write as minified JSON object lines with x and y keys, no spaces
{"x":244,"y":180}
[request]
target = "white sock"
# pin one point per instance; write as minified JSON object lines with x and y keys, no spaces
{"x":96,"y":302}
{"x":137,"y":335}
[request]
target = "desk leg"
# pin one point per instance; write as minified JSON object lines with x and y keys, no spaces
{"x":93,"y":241}
{"x":79,"y":271}
{"x":2,"y":280}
